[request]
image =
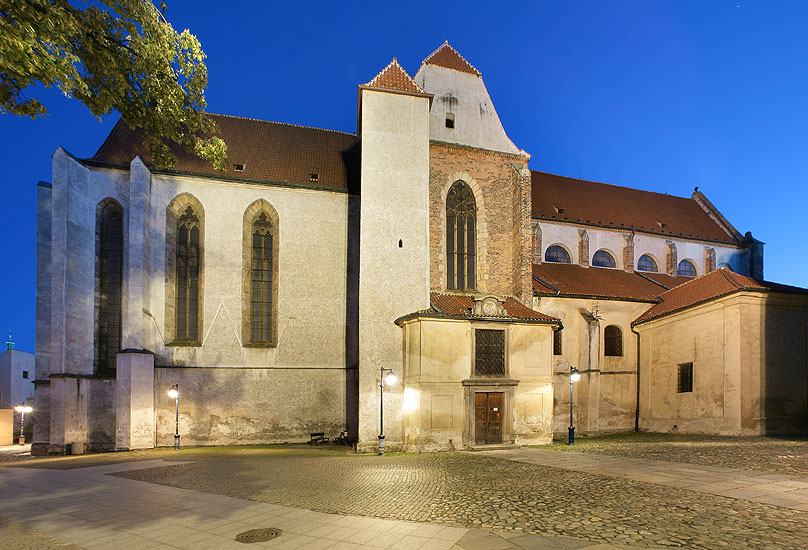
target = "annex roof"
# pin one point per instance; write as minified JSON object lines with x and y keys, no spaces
{"x":449,"y":58}
{"x":715,"y":284}
{"x":394,"y":77}
{"x":257,"y":150}
{"x":460,"y":306}
{"x":563,"y":199}
{"x":573,"y":280}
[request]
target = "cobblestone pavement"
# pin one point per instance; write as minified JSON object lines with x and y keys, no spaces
{"x":768,"y":454}
{"x":470,"y":490}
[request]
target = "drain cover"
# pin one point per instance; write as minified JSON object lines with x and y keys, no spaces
{"x":258,"y":535}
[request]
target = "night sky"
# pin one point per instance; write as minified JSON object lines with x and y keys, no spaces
{"x":656,"y":95}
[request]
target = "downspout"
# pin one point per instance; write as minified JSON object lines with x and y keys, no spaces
{"x":637,"y":410}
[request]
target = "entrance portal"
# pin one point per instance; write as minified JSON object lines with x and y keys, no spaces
{"x":488,"y":417}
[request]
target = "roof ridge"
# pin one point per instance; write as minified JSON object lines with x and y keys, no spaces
{"x":613,"y":185}
{"x":457,"y":53}
{"x":283,"y":123}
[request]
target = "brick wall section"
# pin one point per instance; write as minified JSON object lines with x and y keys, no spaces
{"x":709,"y":259}
{"x":583,"y":247}
{"x":672,"y":260}
{"x":536,"y":242}
{"x":628,"y":252}
{"x":505,"y":183}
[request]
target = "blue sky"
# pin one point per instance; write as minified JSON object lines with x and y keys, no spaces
{"x":656,"y":95}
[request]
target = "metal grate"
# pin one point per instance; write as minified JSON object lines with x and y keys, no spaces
{"x":612,"y":341}
{"x":259,"y":535}
{"x":489,"y":352}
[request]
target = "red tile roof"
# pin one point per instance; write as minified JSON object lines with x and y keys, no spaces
{"x":565,"y":199}
{"x":715,"y":284}
{"x":596,"y":282}
{"x":269,"y":151}
{"x":460,"y":306}
{"x":449,"y":58}
{"x":663,"y":279}
{"x":394,"y":77}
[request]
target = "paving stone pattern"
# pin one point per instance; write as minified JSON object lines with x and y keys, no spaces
{"x":767,"y":454}
{"x":511,"y":498}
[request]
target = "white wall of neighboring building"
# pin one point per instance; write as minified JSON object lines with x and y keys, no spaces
{"x":14,"y":387}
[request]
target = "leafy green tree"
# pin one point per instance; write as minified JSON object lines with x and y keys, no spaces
{"x":110,"y":54}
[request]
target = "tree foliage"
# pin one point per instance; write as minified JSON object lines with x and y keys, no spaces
{"x":109,"y":54}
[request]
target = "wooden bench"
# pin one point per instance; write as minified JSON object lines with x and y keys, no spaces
{"x":317,"y":438}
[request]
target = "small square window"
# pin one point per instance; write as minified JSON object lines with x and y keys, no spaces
{"x":450,"y":120}
{"x":557,"y":349}
{"x":25,"y":374}
{"x":314,"y":176}
{"x":238,"y":167}
{"x":685,"y":384}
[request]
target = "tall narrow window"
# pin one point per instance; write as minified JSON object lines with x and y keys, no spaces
{"x":109,"y":283}
{"x":187,"y":261}
{"x":557,"y":347}
{"x":261,"y":280}
{"x":612,"y":341}
{"x":461,"y":238}
{"x":685,"y":378}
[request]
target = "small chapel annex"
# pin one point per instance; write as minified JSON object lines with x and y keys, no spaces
{"x":274,"y":294}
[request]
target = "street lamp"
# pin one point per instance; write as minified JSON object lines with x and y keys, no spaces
{"x":575,"y":375}
{"x":174,"y":393}
{"x":22,"y":409}
{"x":391,"y":379}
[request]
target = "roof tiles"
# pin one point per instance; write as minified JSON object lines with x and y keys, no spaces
{"x":566,"y":199}
{"x":256,"y":150}
{"x":461,"y":305}
{"x":575,"y":280}
{"x":394,"y":77}
{"x":707,"y":287}
{"x":449,"y":58}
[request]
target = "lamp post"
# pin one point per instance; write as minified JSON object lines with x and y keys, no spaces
{"x":174,"y":392}
{"x":391,"y":379}
{"x":575,"y":375}
{"x":22,"y":409}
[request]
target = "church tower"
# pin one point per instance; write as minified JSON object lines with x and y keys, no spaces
{"x":394,"y":237}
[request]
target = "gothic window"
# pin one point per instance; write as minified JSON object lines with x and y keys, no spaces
{"x":489,"y":352}
{"x":686,"y":269}
{"x":685,"y":378}
{"x":260,"y":276}
{"x":612,"y":341}
{"x":556,"y":254}
{"x":603,"y":259}
{"x":109,"y":283}
{"x":461,"y":237}
{"x":188,"y":268}
{"x":261,"y":280}
{"x":647,"y":263}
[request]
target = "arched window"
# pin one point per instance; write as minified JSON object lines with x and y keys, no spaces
{"x":260,"y":268}
{"x":556,"y":254}
{"x":612,"y":341}
{"x":725,"y":266}
{"x":686,"y":269}
{"x":188,"y":268}
{"x":647,"y":263}
{"x":108,"y":283}
{"x":603,"y":259}
{"x":461,"y":218}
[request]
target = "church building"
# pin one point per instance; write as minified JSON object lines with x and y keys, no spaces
{"x":277,"y":295}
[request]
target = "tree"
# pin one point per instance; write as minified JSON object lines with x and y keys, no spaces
{"x":110,"y":54}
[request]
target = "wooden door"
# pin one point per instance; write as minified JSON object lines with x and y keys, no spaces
{"x":488,"y":417}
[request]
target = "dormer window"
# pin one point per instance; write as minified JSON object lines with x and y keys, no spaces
{"x":239,"y":167}
{"x":314,"y":176}
{"x":450,"y":120}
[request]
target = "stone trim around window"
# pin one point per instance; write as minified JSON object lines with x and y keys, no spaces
{"x":173,"y":212}
{"x":482,"y":231}
{"x":252,"y":211}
